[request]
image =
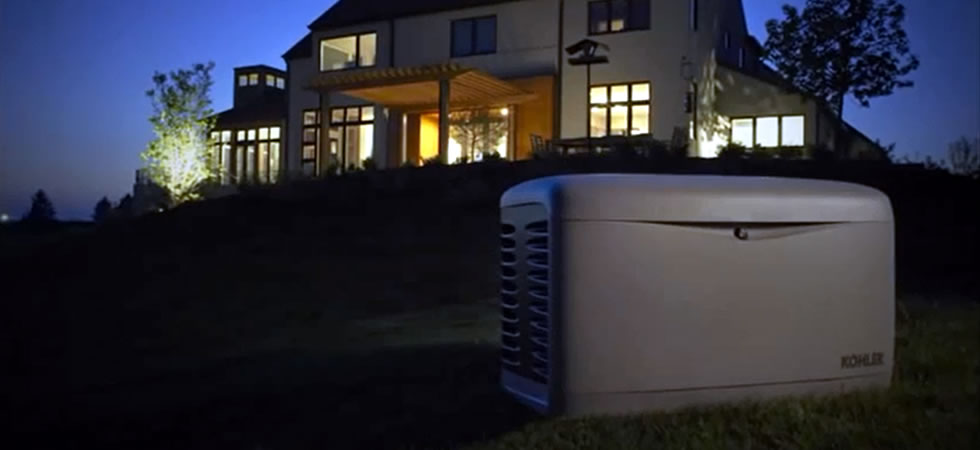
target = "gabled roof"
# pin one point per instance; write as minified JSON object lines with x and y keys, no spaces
{"x":301,"y":49}
{"x":352,"y":12}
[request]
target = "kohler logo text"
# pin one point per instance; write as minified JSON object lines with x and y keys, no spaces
{"x":862,"y":360}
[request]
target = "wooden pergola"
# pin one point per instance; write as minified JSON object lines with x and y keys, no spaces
{"x":421,"y":88}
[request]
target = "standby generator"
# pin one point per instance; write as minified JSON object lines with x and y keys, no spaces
{"x":626,"y":293}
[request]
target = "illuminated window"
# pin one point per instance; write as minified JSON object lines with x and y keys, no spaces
{"x":477,"y":36}
{"x":772,"y":131}
{"x":337,"y":115}
{"x":767,"y":132}
{"x":311,"y":141}
{"x":215,"y":136}
{"x":348,"y":52}
{"x":354,"y":135}
{"x":263,"y":134}
{"x":226,"y":136}
{"x":274,"y":156}
{"x":613,"y":16}
{"x":240,"y":164}
{"x":263,"y":160}
{"x":253,"y":79}
{"x":311,"y":117}
{"x":243,"y":80}
{"x":270,"y":80}
{"x":241,"y":135}
{"x":619,"y":110}
{"x":367,"y":50}
{"x":275,"y":132}
{"x":309,"y":135}
{"x":251,"y":135}
{"x":280,"y":82}
{"x":743,"y":132}
{"x":250,"y":164}
{"x":791,"y":133}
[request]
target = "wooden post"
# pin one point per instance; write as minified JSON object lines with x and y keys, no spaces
{"x":444,"y":120}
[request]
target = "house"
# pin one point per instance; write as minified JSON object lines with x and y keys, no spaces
{"x":406,"y":82}
{"x":248,"y":139}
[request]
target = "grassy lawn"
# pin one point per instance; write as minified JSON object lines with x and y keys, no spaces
{"x":273,"y":325}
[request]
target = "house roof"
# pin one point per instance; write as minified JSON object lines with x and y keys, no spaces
{"x":262,"y":67}
{"x":767,"y":75}
{"x":352,"y":12}
{"x":268,"y":109}
{"x":301,"y":49}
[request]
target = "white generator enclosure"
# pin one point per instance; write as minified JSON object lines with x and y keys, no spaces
{"x":625,"y":293}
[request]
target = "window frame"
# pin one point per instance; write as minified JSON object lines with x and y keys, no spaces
{"x":357,"y":51}
{"x":779,"y":130}
{"x":473,"y":36}
{"x":304,"y":144}
{"x":344,"y":123}
{"x":627,"y":27}
{"x":629,"y":104}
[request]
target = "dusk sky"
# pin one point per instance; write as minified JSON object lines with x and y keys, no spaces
{"x":73,"y":114}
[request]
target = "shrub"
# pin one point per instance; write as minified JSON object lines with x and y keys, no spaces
{"x":492,"y":157}
{"x":369,"y":164}
{"x":789,"y":152}
{"x":964,"y":157}
{"x":762,"y":153}
{"x":732,"y":151}
{"x":433,"y":161}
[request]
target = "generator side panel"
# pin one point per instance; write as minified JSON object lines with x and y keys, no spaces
{"x":528,"y":306}
{"x":671,"y":312}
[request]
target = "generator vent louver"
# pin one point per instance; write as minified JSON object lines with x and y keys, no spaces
{"x":525,"y":296}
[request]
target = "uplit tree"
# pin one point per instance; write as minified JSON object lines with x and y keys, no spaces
{"x":42,"y":210}
{"x":103,"y":209}
{"x":178,"y":159}
{"x":840,"y":48}
{"x":477,"y":131}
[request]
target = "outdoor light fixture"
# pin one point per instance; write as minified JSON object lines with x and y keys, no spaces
{"x":586,"y":50}
{"x":4,"y":218}
{"x":628,"y":293}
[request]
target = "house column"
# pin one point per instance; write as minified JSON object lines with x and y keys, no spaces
{"x":323,"y":153}
{"x":444,"y":120}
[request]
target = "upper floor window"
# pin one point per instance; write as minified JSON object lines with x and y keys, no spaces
{"x":270,"y":80}
{"x":477,"y":36}
{"x":280,"y":82}
{"x":253,"y":79}
{"x":619,"y":110}
{"x":348,"y":52}
{"x":243,"y":80}
{"x":613,"y":16}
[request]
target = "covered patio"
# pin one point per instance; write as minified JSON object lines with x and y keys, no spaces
{"x":419,"y":100}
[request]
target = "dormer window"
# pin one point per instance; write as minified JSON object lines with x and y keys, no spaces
{"x":253,"y":79}
{"x":242,"y":80}
{"x":270,"y":80}
{"x":280,"y":82}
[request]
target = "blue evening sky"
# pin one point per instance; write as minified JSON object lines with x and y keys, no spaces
{"x":73,"y":73}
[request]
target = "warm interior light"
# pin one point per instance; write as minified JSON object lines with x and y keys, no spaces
{"x":504,"y":112}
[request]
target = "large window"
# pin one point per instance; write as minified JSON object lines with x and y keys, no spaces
{"x":311,"y":141}
{"x":619,"y":110}
{"x":769,"y":131}
{"x":613,"y":16}
{"x":351,"y":137}
{"x":348,"y":52}
{"x":476,"y":36}
{"x":258,"y":154}
{"x":221,"y":153}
